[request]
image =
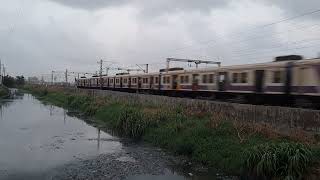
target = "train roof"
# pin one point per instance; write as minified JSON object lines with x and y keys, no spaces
{"x":273,"y":64}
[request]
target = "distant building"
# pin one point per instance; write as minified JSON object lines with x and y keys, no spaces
{"x":33,"y":80}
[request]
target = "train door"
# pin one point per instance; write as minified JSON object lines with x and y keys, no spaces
{"x":121,"y":82}
{"x":195,"y":82}
{"x":151,"y":82}
{"x":174,"y":82}
{"x":129,"y":82}
{"x":288,"y":82}
{"x":259,"y":80}
{"x":139,"y":82}
{"x":222,"y":81}
{"x":159,"y":82}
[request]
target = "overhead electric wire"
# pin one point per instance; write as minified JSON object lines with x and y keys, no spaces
{"x":254,"y":38}
{"x":271,"y":24}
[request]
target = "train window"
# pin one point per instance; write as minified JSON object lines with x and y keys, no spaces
{"x":145,"y":80}
{"x":156,"y":80}
{"x":235,"y":78}
{"x":277,"y":77}
{"x":186,"y":79}
{"x":244,"y":77}
{"x":204,"y":79}
{"x":211,"y":78}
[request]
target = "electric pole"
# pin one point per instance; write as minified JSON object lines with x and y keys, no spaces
{"x":144,"y":70}
{"x":52,"y":78}
{"x":66,"y":74}
{"x":100,"y":73}
{"x":1,"y":73}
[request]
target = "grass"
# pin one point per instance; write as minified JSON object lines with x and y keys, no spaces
{"x":209,"y":138}
{"x":284,"y":160}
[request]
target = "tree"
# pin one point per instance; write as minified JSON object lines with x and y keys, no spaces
{"x":8,"y":81}
{"x":19,"y":81}
{"x":12,"y":82}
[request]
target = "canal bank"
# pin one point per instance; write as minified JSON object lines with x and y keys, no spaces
{"x":42,"y":141}
{"x":206,"y":137}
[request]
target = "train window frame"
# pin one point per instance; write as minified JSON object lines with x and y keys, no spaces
{"x":244,"y":77}
{"x":182,"y":79}
{"x":235,"y":77}
{"x":212,"y":78}
{"x":134,"y":80}
{"x":156,"y":80}
{"x":187,"y":79}
{"x":204,"y":79}
{"x":277,"y":76}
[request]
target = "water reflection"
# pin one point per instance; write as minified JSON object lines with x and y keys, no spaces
{"x":98,"y":140}
{"x":35,"y":137}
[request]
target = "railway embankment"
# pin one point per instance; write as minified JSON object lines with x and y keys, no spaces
{"x":259,"y":141}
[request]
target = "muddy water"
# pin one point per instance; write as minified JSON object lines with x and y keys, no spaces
{"x":36,"y":138}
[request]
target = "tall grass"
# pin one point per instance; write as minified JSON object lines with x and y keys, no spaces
{"x":283,"y":160}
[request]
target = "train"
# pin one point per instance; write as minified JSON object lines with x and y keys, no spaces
{"x":288,"y":80}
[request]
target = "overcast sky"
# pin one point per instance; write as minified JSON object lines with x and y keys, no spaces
{"x":38,"y":36}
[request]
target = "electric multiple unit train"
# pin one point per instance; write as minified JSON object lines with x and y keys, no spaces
{"x":289,"y":80}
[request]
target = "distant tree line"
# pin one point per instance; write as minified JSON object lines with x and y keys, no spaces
{"x":11,"y":82}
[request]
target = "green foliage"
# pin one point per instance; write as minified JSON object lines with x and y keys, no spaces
{"x":278,"y":160}
{"x":13,"y":82}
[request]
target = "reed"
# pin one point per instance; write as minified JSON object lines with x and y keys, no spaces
{"x":278,"y":160}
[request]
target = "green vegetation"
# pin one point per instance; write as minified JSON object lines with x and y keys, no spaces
{"x":13,"y":82}
{"x":4,"y":92}
{"x":285,"y":160}
{"x":235,"y":148}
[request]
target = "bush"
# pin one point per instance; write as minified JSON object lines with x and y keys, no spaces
{"x":282,"y":160}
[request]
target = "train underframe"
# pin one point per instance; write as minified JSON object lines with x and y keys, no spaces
{"x":289,"y":100}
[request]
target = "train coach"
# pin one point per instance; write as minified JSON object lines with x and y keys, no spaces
{"x":289,"y":80}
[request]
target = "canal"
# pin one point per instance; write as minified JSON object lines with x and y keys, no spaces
{"x":39,"y":141}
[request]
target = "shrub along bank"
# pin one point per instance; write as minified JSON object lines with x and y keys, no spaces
{"x":206,"y":137}
{"x":4,"y":92}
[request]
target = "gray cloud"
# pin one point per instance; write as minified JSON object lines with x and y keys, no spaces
{"x":41,"y":36}
{"x":91,"y":4}
{"x":149,"y":7}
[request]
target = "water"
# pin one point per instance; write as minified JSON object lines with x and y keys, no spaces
{"x":35,"y":137}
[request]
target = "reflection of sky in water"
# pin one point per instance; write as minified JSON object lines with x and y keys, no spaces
{"x":35,"y":137}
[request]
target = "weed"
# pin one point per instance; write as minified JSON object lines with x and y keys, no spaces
{"x":282,"y":160}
